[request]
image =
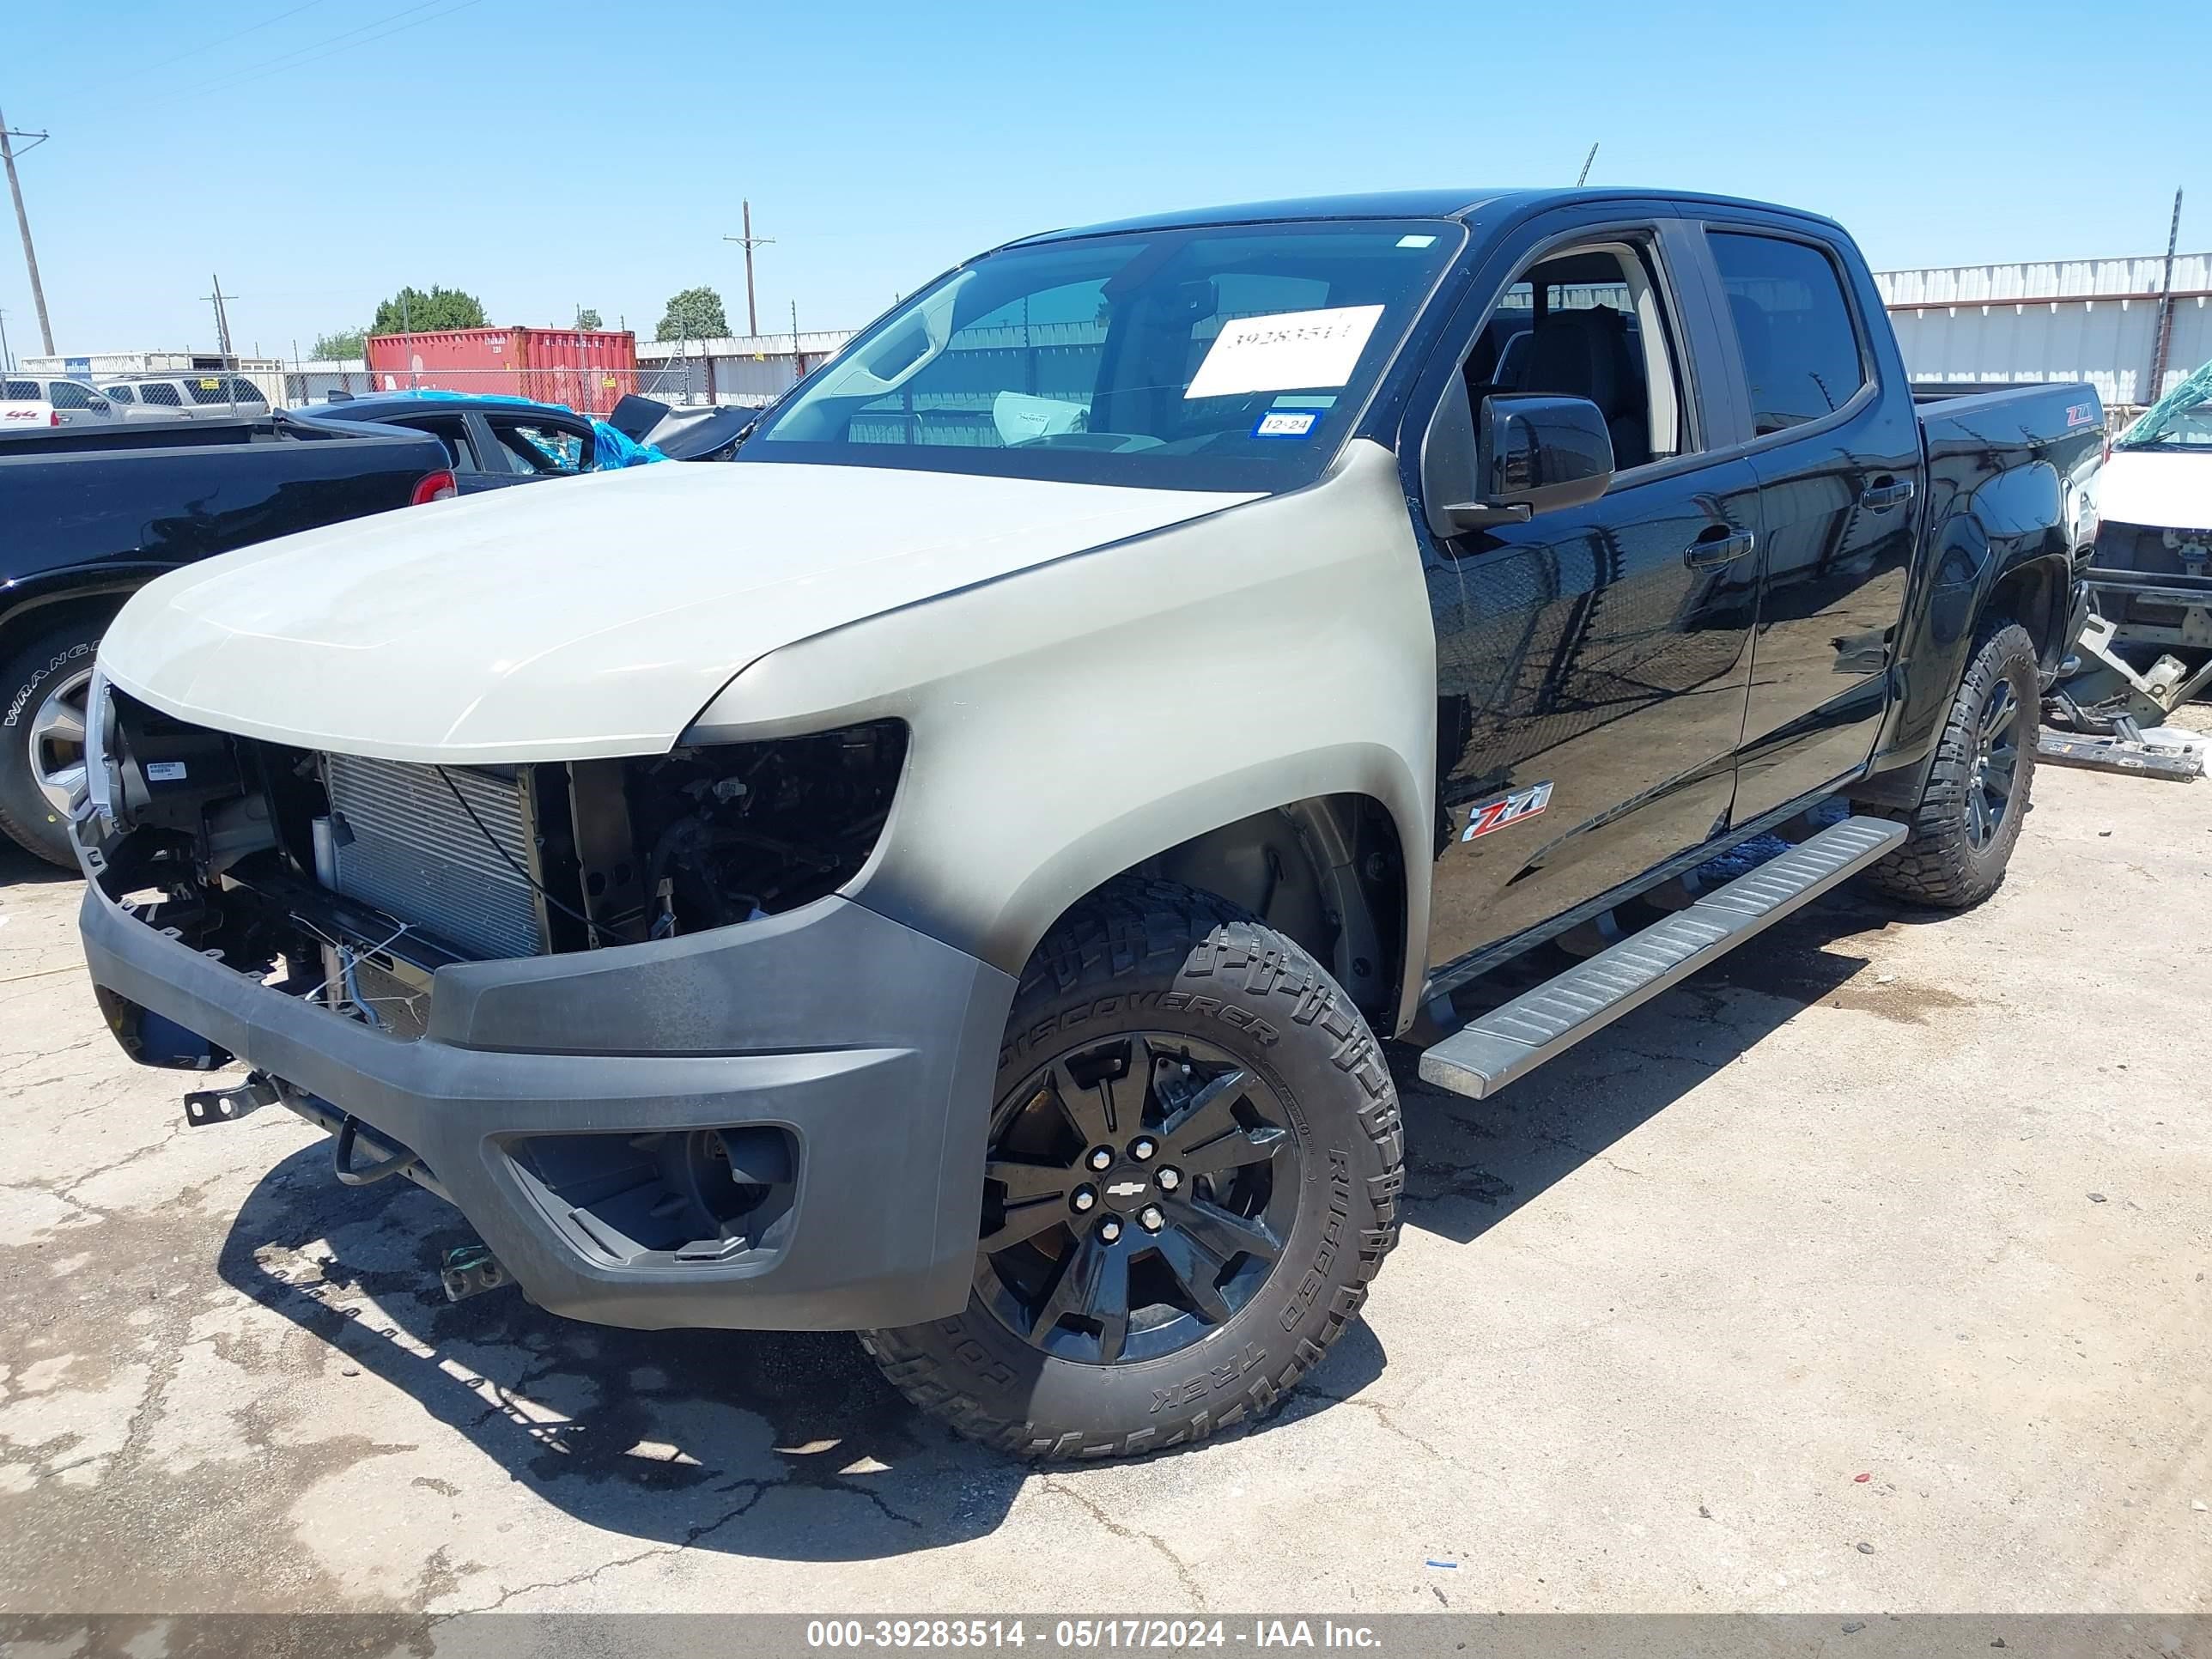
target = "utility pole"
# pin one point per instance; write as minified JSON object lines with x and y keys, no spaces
{"x":2165,"y":307}
{"x":7,"y":357}
{"x":23,"y":223}
{"x":221,"y":320}
{"x":749,"y":242}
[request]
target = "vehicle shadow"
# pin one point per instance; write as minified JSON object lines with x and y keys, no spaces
{"x":673,"y":1437}
{"x":20,"y":869}
{"x":1470,"y":1164}
{"x":678,"y":1435}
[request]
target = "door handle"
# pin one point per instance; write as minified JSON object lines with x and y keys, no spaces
{"x":1879,"y":498}
{"x":1718,"y":546}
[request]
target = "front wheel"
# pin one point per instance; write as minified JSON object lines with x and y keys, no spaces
{"x":1193,"y":1173}
{"x":1969,"y":812}
{"x":42,"y":745}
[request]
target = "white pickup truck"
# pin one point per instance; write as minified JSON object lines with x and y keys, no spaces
{"x":946,"y":874}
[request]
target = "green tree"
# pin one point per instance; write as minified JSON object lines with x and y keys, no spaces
{"x":694,"y":315}
{"x":589,"y":318}
{"x":411,"y":310}
{"x":346,"y":343}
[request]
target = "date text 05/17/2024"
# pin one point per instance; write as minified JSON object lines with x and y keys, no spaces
{"x":1085,"y":1635}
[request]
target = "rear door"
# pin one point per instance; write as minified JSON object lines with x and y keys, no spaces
{"x":464,"y":451}
{"x":1592,"y":663}
{"x":163,"y":399}
{"x":1837,"y":454}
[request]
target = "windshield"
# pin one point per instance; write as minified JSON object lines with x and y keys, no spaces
{"x":1232,"y":358}
{"x":2180,"y":420}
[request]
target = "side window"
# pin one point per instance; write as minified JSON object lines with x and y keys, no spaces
{"x":25,"y":392}
{"x":245,"y":391}
{"x":538,"y":449}
{"x":68,"y":394}
{"x":160,"y":394}
{"x":1793,"y":324}
{"x":122,"y":394}
{"x":1588,"y":322}
{"x":221,"y":389}
{"x":452,"y":432}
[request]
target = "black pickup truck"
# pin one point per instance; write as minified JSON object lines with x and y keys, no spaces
{"x":94,"y":513}
{"x":946,"y":873}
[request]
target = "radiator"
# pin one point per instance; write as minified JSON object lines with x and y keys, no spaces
{"x":408,"y":847}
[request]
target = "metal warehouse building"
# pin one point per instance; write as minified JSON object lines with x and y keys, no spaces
{"x":2079,"y":319}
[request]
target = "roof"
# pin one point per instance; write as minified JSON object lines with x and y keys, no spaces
{"x":1458,"y":204}
{"x":388,"y":405}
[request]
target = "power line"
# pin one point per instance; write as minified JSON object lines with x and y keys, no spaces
{"x":315,"y":51}
{"x":223,"y":40}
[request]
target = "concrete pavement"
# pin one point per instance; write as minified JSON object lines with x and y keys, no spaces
{"x":1867,"y":1271}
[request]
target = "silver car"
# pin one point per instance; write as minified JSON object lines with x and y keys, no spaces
{"x":73,"y":400}
{"x":186,"y":396}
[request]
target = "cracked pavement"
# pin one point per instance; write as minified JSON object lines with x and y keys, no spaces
{"x":1797,"y":1258}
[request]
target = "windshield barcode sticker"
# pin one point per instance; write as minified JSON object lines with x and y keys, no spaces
{"x":164,"y":771}
{"x":1285,"y":352}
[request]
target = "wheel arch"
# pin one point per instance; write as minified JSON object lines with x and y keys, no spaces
{"x":2037,"y":594}
{"x":38,"y":603}
{"x":1347,"y":807}
{"x":1327,"y":871}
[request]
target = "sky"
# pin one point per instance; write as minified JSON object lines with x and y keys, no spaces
{"x":549,"y":154}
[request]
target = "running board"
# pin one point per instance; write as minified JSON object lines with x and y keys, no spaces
{"x":1491,"y":1052}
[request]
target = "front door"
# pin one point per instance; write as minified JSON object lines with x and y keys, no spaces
{"x":1837,"y":460}
{"x":1592,"y":663}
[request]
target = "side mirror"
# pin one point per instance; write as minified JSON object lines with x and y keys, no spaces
{"x":1531,"y":454}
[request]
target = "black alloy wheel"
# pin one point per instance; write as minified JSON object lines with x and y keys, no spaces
{"x":1995,"y":765}
{"x":1139,"y":1190}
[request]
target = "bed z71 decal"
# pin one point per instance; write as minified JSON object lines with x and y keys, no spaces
{"x":1509,"y":809}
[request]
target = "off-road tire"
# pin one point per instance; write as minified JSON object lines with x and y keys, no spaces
{"x":1938,"y":865}
{"x":1208,"y":970}
{"x":28,"y":675}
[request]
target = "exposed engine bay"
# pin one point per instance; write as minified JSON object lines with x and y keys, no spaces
{"x":353,"y":880}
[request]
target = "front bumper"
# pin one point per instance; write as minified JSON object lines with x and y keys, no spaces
{"x":872,"y":1048}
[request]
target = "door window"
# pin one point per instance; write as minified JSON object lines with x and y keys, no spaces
{"x":1793,"y":326}
{"x":223,"y":389}
{"x":538,"y":450}
{"x":122,"y":394}
{"x":452,"y":432}
{"x":161,"y":394}
{"x":68,"y":394}
{"x":1588,"y":322}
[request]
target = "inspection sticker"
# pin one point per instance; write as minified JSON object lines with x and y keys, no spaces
{"x":1286,"y":423}
{"x":1281,"y":353}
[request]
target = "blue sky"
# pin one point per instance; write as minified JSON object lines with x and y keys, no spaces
{"x":545,"y":153}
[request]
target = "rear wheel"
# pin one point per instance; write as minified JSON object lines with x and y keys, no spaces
{"x":1193,"y":1173}
{"x":42,"y":736}
{"x":1969,"y":817}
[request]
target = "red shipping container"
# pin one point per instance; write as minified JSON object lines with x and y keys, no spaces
{"x":590,"y":370}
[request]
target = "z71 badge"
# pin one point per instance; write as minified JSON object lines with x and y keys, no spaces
{"x":1509,"y":809}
